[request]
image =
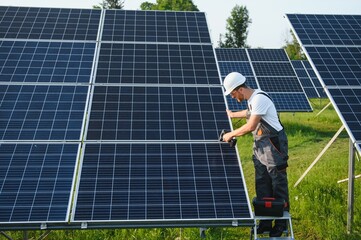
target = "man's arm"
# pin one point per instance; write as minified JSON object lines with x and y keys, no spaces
{"x":239,"y":114}
{"x":250,"y":126}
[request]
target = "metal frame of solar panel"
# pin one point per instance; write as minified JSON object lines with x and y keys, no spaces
{"x":332,"y":45}
{"x":145,"y":94}
{"x":267,"y":69}
{"x":308,"y":79}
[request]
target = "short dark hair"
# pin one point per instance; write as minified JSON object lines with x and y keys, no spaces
{"x":241,"y":86}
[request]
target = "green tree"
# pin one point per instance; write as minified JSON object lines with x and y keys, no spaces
{"x":110,"y":4}
{"x":293,"y":49}
{"x":174,"y":5}
{"x":237,"y":28}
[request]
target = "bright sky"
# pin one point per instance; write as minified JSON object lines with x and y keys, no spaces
{"x":269,"y":28}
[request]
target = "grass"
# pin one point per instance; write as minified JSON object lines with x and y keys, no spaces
{"x":318,"y":203}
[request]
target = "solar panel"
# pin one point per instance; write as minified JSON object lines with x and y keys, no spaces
{"x":333,"y":46}
{"x":49,"y":23}
{"x":45,"y":62}
{"x":156,"y":113}
{"x":308,"y":79}
{"x":42,"y":112}
{"x":36,"y":182}
{"x":139,"y":87}
{"x":321,"y":29}
{"x":267,"y":69}
{"x":157,"y":64}
{"x":155,"y":26}
{"x":147,"y":183}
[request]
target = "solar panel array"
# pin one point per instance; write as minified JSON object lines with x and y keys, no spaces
{"x":267,"y":69}
{"x":333,"y":46}
{"x":308,"y":78}
{"x":124,"y":109}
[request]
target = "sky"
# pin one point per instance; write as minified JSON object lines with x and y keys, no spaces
{"x":269,"y":28}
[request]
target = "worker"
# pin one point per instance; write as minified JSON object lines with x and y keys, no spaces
{"x":270,"y":149}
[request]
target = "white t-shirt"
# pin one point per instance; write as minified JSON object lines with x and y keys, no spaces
{"x":262,"y":105}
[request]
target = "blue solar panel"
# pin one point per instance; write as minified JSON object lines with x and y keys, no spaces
{"x":267,"y":69}
{"x":157,"y":64}
{"x":348,"y":102}
{"x":157,"y":113}
{"x":327,"y":29}
{"x":36,"y":182}
{"x":337,"y":66}
{"x":33,"y":61}
{"x":155,"y":26}
{"x":49,"y":23}
{"x":333,"y":46}
{"x":42,"y":112}
{"x":308,"y":79}
{"x":231,"y":54}
{"x":228,"y":67}
{"x":267,"y":55}
{"x":145,"y":183}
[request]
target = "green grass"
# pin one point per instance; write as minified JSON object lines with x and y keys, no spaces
{"x":318,"y":203}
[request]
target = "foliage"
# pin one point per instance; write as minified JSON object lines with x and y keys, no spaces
{"x":293,"y":49}
{"x":110,"y":4}
{"x":237,"y":28}
{"x":173,"y":5}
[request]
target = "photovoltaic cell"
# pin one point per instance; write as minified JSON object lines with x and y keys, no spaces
{"x":327,"y":29}
{"x":41,"y":112}
{"x":337,"y":66}
{"x":45,"y":62}
{"x":333,"y":45}
{"x":156,"y":113}
{"x":348,"y":102}
{"x":49,"y":23}
{"x":160,"y":182}
{"x":267,"y":55}
{"x":227,"y":67}
{"x":36,"y":182}
{"x":157,"y":64}
{"x":231,"y":54}
{"x":267,"y":69}
{"x":155,"y":26}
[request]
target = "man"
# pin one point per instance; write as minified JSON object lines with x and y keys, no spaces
{"x":270,"y":150}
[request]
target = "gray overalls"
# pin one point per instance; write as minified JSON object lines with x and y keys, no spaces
{"x":270,"y":155}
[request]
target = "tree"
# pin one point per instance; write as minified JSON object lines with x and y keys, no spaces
{"x":293,"y":49}
{"x":174,"y":5}
{"x":110,"y":4}
{"x":237,"y":28}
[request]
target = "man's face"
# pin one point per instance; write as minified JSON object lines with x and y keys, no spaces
{"x":237,"y":94}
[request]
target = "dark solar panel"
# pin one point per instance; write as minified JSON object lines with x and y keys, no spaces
{"x":157,"y":63}
{"x":155,"y":26}
{"x":147,"y":183}
{"x":348,"y":102}
{"x":49,"y":23}
{"x":231,"y":54}
{"x":310,"y":83}
{"x":157,"y":113}
{"x":327,"y":29}
{"x":273,"y":69}
{"x":36,"y":182}
{"x":44,"y":62}
{"x":267,"y":69}
{"x":243,"y":67}
{"x":337,"y":66}
{"x":274,"y":55}
{"x":42,"y":112}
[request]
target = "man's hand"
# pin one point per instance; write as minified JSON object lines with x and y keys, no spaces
{"x":227,"y":137}
{"x":229,"y":113}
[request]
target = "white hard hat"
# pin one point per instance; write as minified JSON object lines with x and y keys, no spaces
{"x":233,"y":80}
